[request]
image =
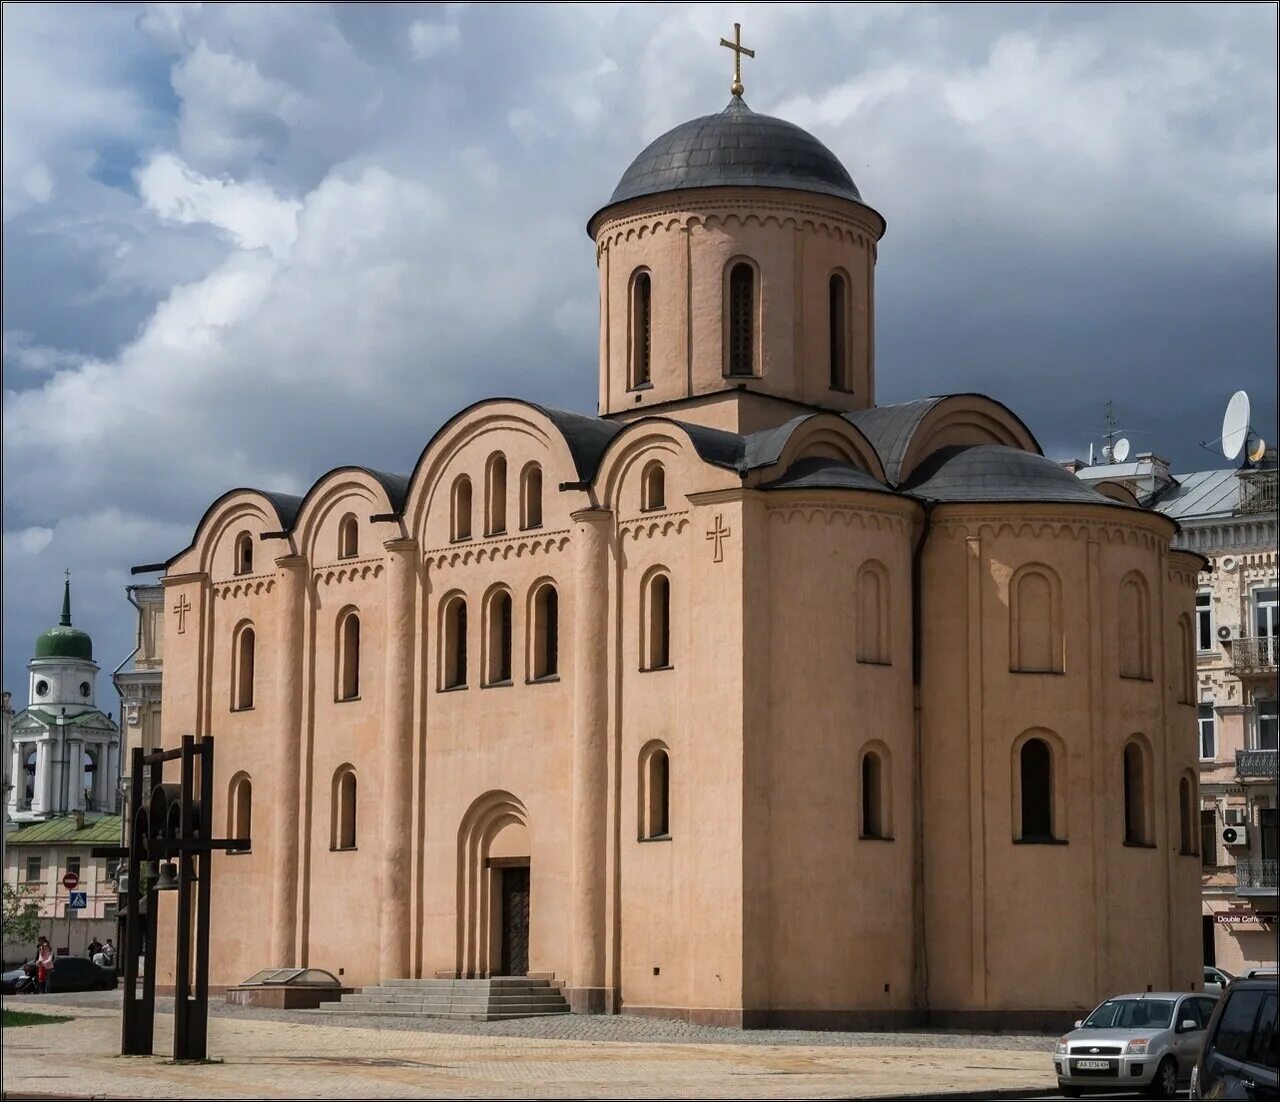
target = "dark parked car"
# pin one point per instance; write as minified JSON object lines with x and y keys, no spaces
{"x":1240,"y":1057}
{"x":69,"y":974}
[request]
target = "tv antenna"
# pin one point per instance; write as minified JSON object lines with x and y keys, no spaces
{"x":1116,"y":449}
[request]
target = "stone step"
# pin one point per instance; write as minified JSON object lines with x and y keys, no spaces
{"x":361,"y":998}
{"x":482,"y":996}
{"x":396,"y":1012}
{"x":482,"y":1000}
{"x":492,"y":983}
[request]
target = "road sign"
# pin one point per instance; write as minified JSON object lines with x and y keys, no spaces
{"x":70,"y":880}
{"x":79,"y":901}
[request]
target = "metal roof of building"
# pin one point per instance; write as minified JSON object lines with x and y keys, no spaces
{"x":62,"y":832}
{"x":1200,"y":494}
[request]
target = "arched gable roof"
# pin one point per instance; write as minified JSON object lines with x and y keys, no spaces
{"x":818,"y":473}
{"x":893,"y":430}
{"x":284,"y":506}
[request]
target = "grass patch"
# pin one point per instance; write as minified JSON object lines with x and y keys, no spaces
{"x":12,"y":1018}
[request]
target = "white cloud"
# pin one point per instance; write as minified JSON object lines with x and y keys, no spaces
{"x":30,"y":541}
{"x":427,"y":40}
{"x":251,"y":213}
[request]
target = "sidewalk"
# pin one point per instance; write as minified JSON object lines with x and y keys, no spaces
{"x":274,"y":1059}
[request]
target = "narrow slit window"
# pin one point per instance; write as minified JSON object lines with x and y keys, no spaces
{"x":348,"y":538}
{"x":496,"y":496}
{"x":546,"y":633}
{"x":658,"y":641}
{"x":531,"y":497}
{"x":657,"y":795}
{"x":873,"y":825}
{"x":462,"y":508}
{"x":838,"y":331}
{"x":344,"y":809}
{"x":246,"y":645}
{"x":742,"y":322}
{"x":455,"y":644}
{"x":241,"y":808}
{"x":653,"y":488}
{"x":349,"y":657}
{"x":1135,"y":796}
{"x":641,"y":328}
{"x":499,"y":643}
{"x":1036,"y":775}
{"x":244,"y":553}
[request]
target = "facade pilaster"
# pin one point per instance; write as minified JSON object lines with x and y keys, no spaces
{"x":397,"y":761}
{"x":587,"y":991}
{"x":289,"y":678}
{"x":42,"y":797}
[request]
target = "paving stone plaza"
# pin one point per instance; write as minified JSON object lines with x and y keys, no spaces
{"x":282,"y":1053}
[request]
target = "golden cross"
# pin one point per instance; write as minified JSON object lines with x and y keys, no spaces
{"x":738,"y":50}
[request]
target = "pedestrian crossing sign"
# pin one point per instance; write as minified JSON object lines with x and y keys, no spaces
{"x":79,"y":901}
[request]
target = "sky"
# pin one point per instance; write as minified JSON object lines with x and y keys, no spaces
{"x":246,"y":243}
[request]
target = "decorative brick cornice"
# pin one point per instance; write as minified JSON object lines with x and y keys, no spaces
{"x":462,"y":554}
{"x":347,"y":571}
{"x":653,"y":524}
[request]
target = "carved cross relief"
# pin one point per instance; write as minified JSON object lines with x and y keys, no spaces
{"x":719,"y":534}
{"x":180,"y":611}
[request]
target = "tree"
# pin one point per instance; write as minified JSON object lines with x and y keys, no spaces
{"x":21,"y":915}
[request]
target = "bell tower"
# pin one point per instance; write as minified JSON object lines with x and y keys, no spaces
{"x":737,"y":275}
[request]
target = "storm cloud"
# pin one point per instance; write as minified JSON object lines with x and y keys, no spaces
{"x":247,"y":243}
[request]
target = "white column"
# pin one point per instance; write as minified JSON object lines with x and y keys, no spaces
{"x":102,"y":782}
{"x":75,"y":782}
{"x":42,"y":798}
{"x":18,"y":777}
{"x":113,"y":773}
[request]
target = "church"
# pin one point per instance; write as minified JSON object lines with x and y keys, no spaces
{"x":746,"y":701}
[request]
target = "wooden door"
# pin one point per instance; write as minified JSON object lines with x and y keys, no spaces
{"x":515,"y":921}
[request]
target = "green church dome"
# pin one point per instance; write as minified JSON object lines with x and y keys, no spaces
{"x":64,"y":641}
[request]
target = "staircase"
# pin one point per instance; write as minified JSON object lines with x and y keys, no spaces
{"x":491,"y":1000}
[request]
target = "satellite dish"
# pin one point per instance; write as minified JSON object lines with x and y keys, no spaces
{"x":1259,"y":450}
{"x":1235,"y":424}
{"x":1121,"y":451}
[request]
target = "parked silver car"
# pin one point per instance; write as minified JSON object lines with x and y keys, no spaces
{"x":1215,"y":980}
{"x":1146,"y":1041}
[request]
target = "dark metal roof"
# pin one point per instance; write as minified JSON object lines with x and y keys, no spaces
{"x":817,"y":473}
{"x":586,"y":437}
{"x":734,"y":148}
{"x":994,"y":472}
{"x":285,"y":505}
{"x":1200,"y":494}
{"x":890,"y":428}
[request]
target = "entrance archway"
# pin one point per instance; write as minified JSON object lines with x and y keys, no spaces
{"x":494,"y":887}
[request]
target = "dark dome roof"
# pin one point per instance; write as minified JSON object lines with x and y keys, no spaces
{"x":995,"y":472}
{"x":736,"y":148}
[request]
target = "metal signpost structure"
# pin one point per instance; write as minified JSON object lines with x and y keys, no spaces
{"x":171,"y":844}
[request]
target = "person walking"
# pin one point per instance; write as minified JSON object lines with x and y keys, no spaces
{"x":44,"y":964}
{"x":109,"y":954}
{"x":93,"y":948}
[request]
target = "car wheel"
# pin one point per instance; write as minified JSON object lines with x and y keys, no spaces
{"x":1164,"y":1084}
{"x":1070,"y":1092}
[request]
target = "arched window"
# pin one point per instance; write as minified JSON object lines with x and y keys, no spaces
{"x":242,"y":660}
{"x":531,"y":496}
{"x":244,"y":553}
{"x":641,"y":328}
{"x":460,"y":528}
{"x":873,"y":795}
{"x":655,"y":644}
{"x":495,"y":495}
{"x":498,"y":639}
{"x":453,"y":674}
{"x":240,"y":808}
{"x":1136,"y":832}
{"x":1036,"y":788}
{"x":1187,"y":804}
{"x":343,"y":811}
{"x":546,"y":632}
{"x":348,"y":537}
{"x":348,"y":655}
{"x":872,"y":623}
{"x":742,"y":319}
{"x":655,"y":792}
{"x":1135,"y":627}
{"x":90,"y":762}
{"x":1035,"y":621}
{"x":653,"y":487}
{"x":1186,"y":661}
{"x":838,"y":330}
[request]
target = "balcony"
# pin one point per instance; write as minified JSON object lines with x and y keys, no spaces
{"x":1254,"y":655}
{"x":1262,"y":764}
{"x":1256,"y":875}
{"x":1258,"y":491}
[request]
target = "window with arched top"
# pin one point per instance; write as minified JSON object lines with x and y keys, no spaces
{"x":243,"y":648}
{"x":1135,"y":627}
{"x":531,"y":496}
{"x":1187,"y":804}
{"x":1036,"y":776}
{"x":244,"y":553}
{"x":872,"y":614}
{"x":545,"y":641}
{"x":653,"y":486}
{"x":453,"y":650}
{"x":495,"y":495}
{"x":741,"y":335}
{"x":460,"y":509}
{"x":655,"y":641}
{"x":498,"y":639}
{"x":641,"y":328}
{"x":348,"y":638}
{"x":348,"y":537}
{"x":838,"y":331}
{"x":654,"y":797}
{"x":874,"y":793}
{"x":1137,"y":825}
{"x":1035,"y":621}
{"x":240,"y":808}
{"x":342,"y":816}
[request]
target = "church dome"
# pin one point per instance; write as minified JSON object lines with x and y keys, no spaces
{"x":735,"y":148}
{"x":64,"y":641}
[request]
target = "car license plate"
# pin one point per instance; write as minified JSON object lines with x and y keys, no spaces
{"x":1093,"y":1065}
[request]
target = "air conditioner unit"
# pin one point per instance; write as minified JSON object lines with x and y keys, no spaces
{"x":1228,"y":633}
{"x":1234,"y":816}
{"x":1235,"y":836}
